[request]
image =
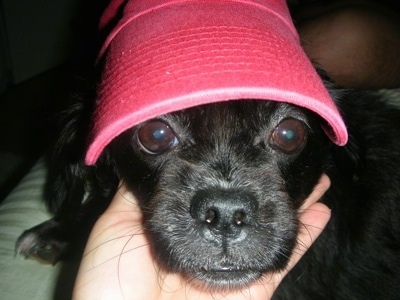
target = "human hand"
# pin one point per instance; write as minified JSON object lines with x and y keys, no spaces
{"x":118,"y":264}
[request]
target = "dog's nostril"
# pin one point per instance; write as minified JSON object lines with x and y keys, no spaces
{"x":239,"y":217}
{"x":211,"y":216}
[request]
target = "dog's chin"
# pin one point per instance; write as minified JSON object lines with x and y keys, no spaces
{"x":229,"y":274}
{"x":223,"y":278}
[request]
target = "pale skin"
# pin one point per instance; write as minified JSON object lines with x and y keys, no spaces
{"x":118,"y":263}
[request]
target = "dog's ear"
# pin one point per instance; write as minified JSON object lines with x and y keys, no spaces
{"x":69,"y":177}
{"x":65,"y":186}
{"x":350,"y":158}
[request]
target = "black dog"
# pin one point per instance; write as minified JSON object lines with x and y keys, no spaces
{"x":220,"y":186}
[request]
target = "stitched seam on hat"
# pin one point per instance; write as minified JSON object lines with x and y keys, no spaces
{"x":195,"y":35}
{"x":143,"y":53}
{"x":122,"y":71}
{"x":148,"y":46}
{"x":147,"y":85}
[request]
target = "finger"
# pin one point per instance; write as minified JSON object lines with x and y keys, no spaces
{"x":318,"y":191}
{"x":116,"y":241}
{"x":313,"y":218}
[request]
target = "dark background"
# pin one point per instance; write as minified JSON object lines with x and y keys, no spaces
{"x":47,"y":52}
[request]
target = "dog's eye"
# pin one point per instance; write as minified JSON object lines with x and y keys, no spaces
{"x":156,"y":137}
{"x":288,"y":136}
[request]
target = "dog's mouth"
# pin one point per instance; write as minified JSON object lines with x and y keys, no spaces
{"x":225,"y":277}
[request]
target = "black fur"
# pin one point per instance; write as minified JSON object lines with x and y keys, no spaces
{"x":220,"y":195}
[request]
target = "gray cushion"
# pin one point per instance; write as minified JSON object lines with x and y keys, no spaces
{"x":20,"y":278}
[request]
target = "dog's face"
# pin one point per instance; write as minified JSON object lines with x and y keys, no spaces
{"x":220,"y":186}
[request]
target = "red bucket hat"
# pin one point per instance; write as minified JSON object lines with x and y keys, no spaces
{"x":167,"y":55}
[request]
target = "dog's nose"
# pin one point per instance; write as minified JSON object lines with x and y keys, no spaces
{"x":224,"y":213}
